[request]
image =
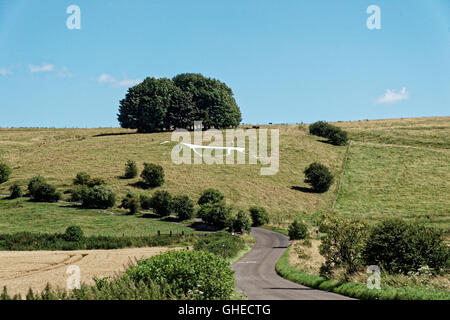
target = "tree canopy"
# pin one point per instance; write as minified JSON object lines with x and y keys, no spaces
{"x":165,"y":104}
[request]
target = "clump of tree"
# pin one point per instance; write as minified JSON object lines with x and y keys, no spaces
{"x":398,"y":246}
{"x":15,"y":191}
{"x":298,"y":230}
{"x":131,"y":170}
{"x":41,"y":191}
{"x":241,"y":222}
{"x":259,"y":216}
{"x":161,"y":203}
{"x":210,"y":196}
{"x":131,"y":202}
{"x":343,"y":243}
{"x":5,"y":172}
{"x":84,"y":179}
{"x":97,"y":197}
{"x":334,"y":134}
{"x":73,"y":234}
{"x":164,"y":104}
{"x":153,"y":175}
{"x":319,"y":177}
{"x":183,"y":207}
{"x":216,"y":214}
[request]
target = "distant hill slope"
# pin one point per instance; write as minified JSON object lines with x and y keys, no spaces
{"x":409,"y":179}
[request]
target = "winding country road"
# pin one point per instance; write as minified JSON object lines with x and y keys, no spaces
{"x":256,"y":276}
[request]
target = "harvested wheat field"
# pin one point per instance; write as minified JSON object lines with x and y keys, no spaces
{"x":21,"y":270}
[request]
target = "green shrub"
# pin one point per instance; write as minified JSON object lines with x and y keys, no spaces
{"x":259,"y":216}
{"x":34,"y":182}
{"x":242,"y":222}
{"x":76,"y":193}
{"x":44,"y":192}
{"x":210,"y":196}
{"x":399,"y":247}
{"x":146,"y":201}
{"x":319,"y":177}
{"x":343,"y":243}
{"x":319,"y":128}
{"x":194,"y":274}
{"x":97,"y":197}
{"x":82,"y":179}
{"x":161,"y":202}
{"x":15,"y":191}
{"x":130,"y":202}
{"x":74,"y":234}
{"x":5,"y":172}
{"x":222,"y":243}
{"x":297,"y":231}
{"x":216,"y":214}
{"x":183,"y":207}
{"x":338,"y":137}
{"x":131,"y":170}
{"x":153,"y":175}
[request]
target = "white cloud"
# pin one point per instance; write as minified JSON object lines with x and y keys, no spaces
{"x":46,"y":67}
{"x":107,"y":78}
{"x":5,"y":71}
{"x":391,"y":96}
{"x":64,"y":73}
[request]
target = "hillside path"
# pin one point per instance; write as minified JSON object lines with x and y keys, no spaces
{"x":256,"y":276}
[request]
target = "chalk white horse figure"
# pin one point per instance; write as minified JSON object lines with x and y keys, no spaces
{"x":194,"y":147}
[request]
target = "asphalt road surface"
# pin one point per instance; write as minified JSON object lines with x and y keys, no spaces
{"x":256,"y":276}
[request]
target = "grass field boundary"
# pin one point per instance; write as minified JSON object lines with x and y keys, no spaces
{"x":341,"y":176}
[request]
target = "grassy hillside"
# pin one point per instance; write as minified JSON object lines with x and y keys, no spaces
{"x":395,"y":167}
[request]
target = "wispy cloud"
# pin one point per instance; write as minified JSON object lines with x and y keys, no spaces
{"x":107,"y":78}
{"x":391,"y":96}
{"x":45,"y":67}
{"x":5,"y":71}
{"x":64,"y":73}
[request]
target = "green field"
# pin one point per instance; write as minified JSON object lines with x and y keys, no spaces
{"x":22,"y":215}
{"x":395,"y":167}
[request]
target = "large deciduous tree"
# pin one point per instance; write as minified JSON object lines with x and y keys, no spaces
{"x":164,"y":104}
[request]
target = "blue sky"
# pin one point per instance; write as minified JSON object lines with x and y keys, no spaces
{"x":287,"y":61}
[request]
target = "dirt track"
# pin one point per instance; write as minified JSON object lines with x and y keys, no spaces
{"x":20,"y":270}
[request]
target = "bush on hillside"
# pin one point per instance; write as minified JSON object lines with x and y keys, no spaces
{"x":84,"y":179}
{"x":34,"y":182}
{"x":319,"y":177}
{"x":5,"y":172}
{"x":183,"y":207}
{"x":259,"y":216}
{"x":399,"y":247}
{"x":130,"y":202}
{"x":74,"y":234}
{"x":145,"y":201}
{"x":210,"y":196}
{"x":194,"y":274}
{"x":161,"y":202}
{"x":97,"y":197}
{"x":44,"y":192}
{"x":297,"y":231}
{"x":153,"y":175}
{"x":319,"y":128}
{"x":131,"y":170}
{"x":337,"y":137}
{"x":215,"y":214}
{"x":241,"y":222}
{"x":15,"y":191}
{"x":343,"y":243}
